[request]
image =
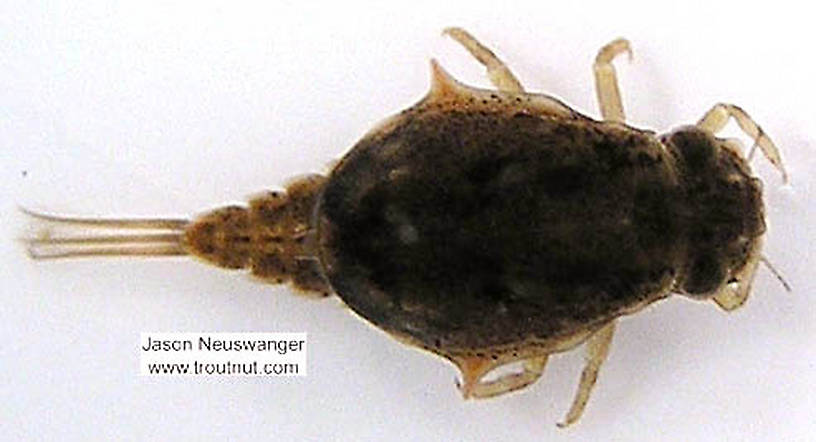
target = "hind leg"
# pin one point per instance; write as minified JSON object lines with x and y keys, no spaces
{"x":499,"y":73}
{"x":532,"y":370}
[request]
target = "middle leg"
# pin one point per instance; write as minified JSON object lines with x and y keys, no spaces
{"x":499,"y":73}
{"x":597,"y":350}
{"x":606,"y":80}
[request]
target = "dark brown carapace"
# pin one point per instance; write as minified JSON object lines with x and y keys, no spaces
{"x":492,"y":226}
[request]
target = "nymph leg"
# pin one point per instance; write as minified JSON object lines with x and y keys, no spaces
{"x":497,"y":71}
{"x":597,"y":350}
{"x":715,"y":119}
{"x":475,"y":388}
{"x":732,"y":296}
{"x":606,"y":81}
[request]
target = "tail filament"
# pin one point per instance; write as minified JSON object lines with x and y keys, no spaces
{"x":71,"y":237}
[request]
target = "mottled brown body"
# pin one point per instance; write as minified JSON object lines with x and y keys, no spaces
{"x":274,"y":237}
{"x":472,"y":231}
{"x":487,"y":223}
{"x":491,"y":227}
{"x":473,"y":225}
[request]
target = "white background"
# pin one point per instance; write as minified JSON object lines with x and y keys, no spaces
{"x":141,"y":108}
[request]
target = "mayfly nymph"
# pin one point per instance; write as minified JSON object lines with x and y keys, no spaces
{"x":491,"y":227}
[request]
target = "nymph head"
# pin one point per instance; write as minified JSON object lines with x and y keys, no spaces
{"x":723,"y":214}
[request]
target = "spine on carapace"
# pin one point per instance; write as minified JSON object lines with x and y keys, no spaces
{"x":274,"y":237}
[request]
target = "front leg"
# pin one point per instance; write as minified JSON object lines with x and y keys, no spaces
{"x":715,"y":119}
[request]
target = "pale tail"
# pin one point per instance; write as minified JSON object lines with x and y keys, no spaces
{"x":56,"y":237}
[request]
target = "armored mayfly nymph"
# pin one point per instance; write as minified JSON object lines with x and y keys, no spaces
{"x":490,"y":227}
